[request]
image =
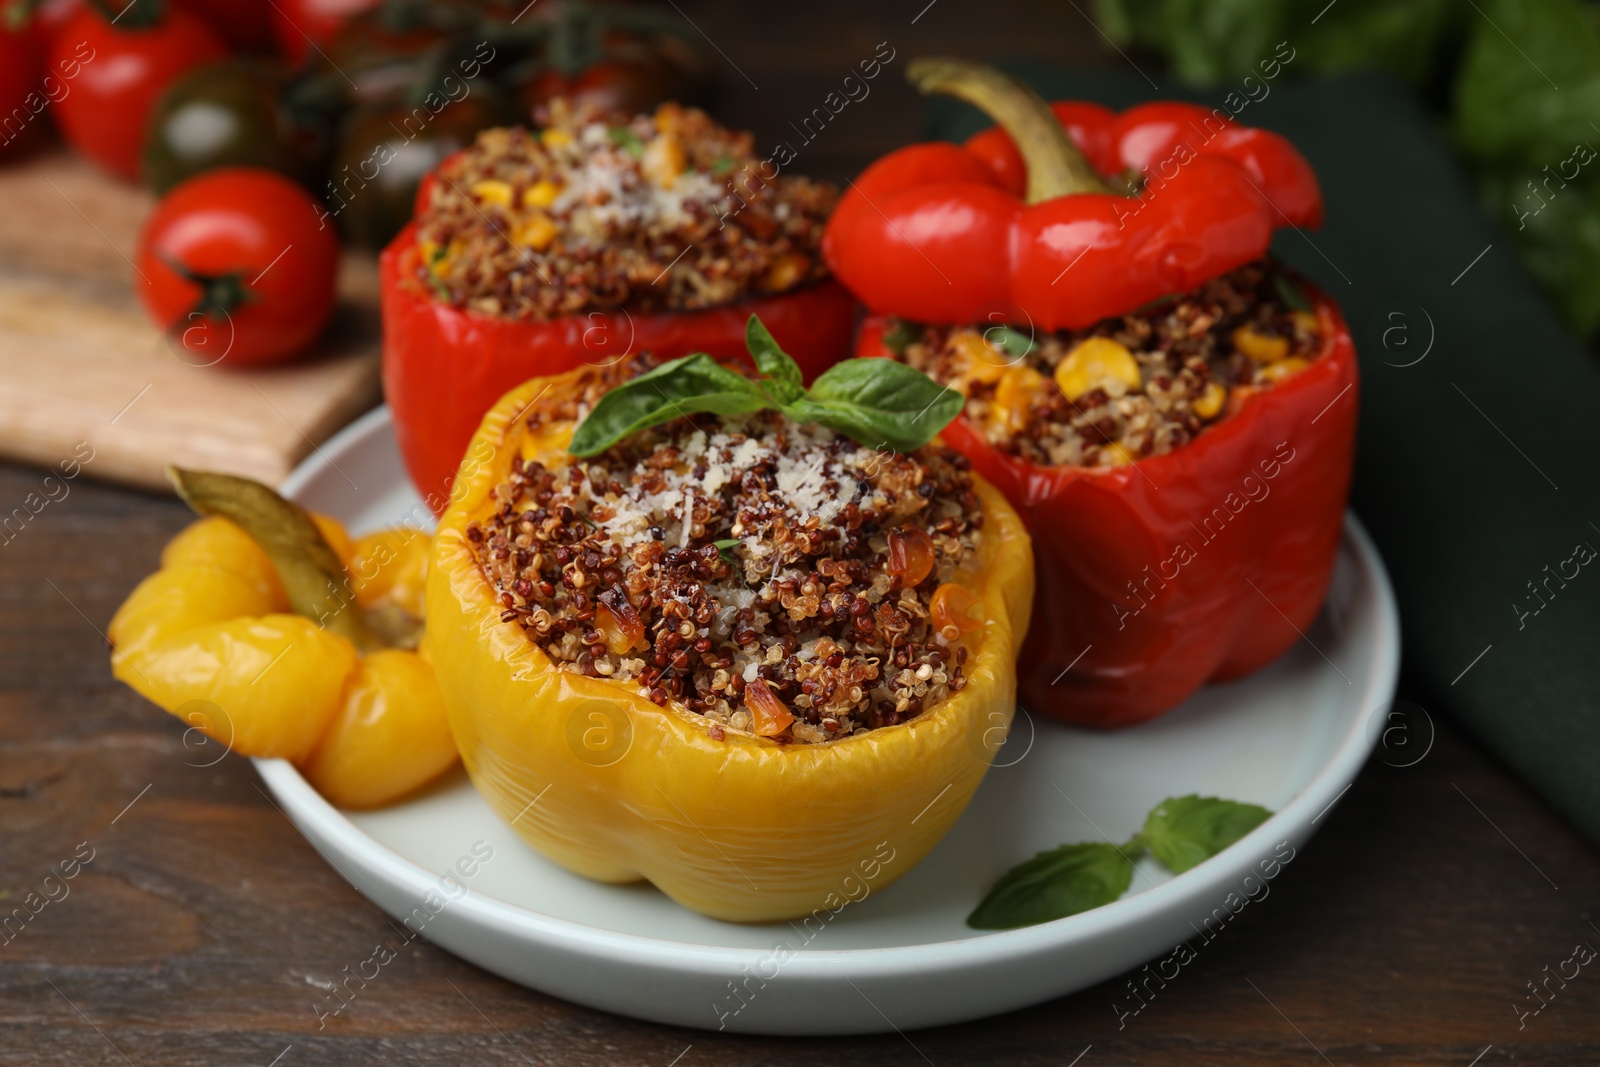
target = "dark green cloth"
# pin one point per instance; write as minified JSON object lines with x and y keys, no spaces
{"x":1476,"y":473}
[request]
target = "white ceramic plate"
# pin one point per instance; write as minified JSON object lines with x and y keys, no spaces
{"x":1291,"y":737}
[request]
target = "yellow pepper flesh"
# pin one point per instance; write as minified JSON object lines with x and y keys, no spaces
{"x":209,"y":638}
{"x":390,"y":730}
{"x":616,"y":788}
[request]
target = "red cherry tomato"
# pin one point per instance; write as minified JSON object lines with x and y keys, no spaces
{"x":19,"y":76}
{"x":244,"y":24}
{"x":49,"y":16}
{"x":28,"y":86}
{"x":298,"y":24}
{"x":239,"y":267}
{"x":104,"y":116}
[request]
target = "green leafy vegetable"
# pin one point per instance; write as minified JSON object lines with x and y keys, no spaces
{"x":673,"y":390}
{"x":726,"y":546}
{"x":1185,"y":831}
{"x":1013,"y":343}
{"x":1519,"y":81}
{"x":901,"y":336}
{"x":1053,"y":885}
{"x":782,"y":374}
{"x":1558,"y":242}
{"x":626,"y":140}
{"x":434,"y":280}
{"x":1534,"y":146}
{"x":1181,"y":832}
{"x":1290,"y":293}
{"x":1507,"y":107}
{"x":879,"y":403}
{"x":1214,"y":42}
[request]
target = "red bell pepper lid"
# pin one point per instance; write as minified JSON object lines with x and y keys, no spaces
{"x":1065,"y":214}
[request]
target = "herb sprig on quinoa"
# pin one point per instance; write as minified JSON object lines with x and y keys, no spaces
{"x":788,"y":562}
{"x":880,"y":403}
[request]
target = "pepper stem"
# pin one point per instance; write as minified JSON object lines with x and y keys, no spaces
{"x":219,"y":293}
{"x":1055,"y":165}
{"x":313,"y":576}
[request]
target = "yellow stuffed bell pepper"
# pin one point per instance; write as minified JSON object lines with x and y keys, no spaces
{"x":220,"y":636}
{"x":618,"y":784}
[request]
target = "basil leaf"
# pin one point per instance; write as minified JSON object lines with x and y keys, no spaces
{"x":626,"y":140}
{"x":434,"y":280}
{"x":1185,"y":831}
{"x":1011,"y":342}
{"x":1053,"y":885}
{"x":725,"y":548}
{"x":673,"y":390}
{"x":902,"y":336}
{"x":880,"y":403}
{"x":782,"y":373}
{"x":1290,"y":293}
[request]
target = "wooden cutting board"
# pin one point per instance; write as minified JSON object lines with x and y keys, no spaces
{"x":80,"y":362}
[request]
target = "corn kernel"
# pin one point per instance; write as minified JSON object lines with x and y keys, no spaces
{"x":668,"y":117}
{"x":451,"y":256}
{"x":554,"y":138}
{"x":787,"y":272}
{"x":493,"y":192}
{"x":1209,"y":403}
{"x":439,"y":259}
{"x":1261,"y":347}
{"x":664,"y":160}
{"x":1304,"y":321}
{"x":542,"y":193}
{"x":1284,"y":368}
{"x":1013,"y":397}
{"x":1114,"y":455}
{"x":1095,"y":362}
{"x":983,"y":364}
{"x":537,"y":232}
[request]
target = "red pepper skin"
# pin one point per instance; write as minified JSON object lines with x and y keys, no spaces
{"x":444,"y":367}
{"x":1141,"y":624}
{"x":939,"y":233}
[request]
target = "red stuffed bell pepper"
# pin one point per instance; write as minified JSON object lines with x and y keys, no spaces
{"x":535,"y":253}
{"x":1173,"y":415}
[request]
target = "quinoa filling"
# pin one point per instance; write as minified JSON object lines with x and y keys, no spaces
{"x":1138,"y":385}
{"x":774,"y":577}
{"x":652,"y":212}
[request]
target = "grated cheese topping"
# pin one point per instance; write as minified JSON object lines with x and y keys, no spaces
{"x":695,"y":559}
{"x":662,"y":211}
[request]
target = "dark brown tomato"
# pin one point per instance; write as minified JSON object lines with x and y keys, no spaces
{"x":108,"y":110}
{"x":232,"y":114}
{"x":387,"y":148}
{"x":376,"y":62}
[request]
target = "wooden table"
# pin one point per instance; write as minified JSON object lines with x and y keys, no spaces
{"x":1406,"y":934}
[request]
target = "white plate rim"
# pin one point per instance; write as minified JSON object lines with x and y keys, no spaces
{"x":1295,"y":821}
